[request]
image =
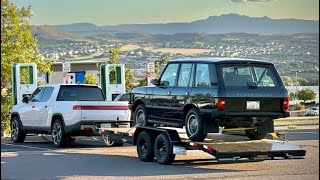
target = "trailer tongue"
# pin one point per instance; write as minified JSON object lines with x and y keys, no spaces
{"x":165,"y":143}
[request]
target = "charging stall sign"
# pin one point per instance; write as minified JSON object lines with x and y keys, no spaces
{"x":150,"y":72}
{"x":66,"y":66}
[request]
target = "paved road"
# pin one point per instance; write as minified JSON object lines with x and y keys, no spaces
{"x":90,"y":159}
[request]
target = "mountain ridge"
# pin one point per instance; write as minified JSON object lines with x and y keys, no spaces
{"x":226,"y":23}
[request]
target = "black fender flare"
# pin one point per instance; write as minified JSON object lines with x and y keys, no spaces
{"x":60,"y":117}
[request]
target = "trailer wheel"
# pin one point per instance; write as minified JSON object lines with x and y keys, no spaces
{"x":141,"y":116}
{"x":145,"y":147}
{"x":194,"y":125}
{"x":255,"y":135}
{"x":163,"y":149}
{"x":17,"y":135}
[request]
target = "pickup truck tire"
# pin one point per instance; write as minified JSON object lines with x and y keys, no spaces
{"x":145,"y":147}
{"x":59,"y":137}
{"x":141,"y":116}
{"x":163,"y":150}
{"x":194,"y":125}
{"x":17,"y":135}
{"x":255,"y":135}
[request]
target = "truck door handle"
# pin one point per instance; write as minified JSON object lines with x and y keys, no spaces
{"x":33,"y":106}
{"x":169,"y":92}
{"x":45,"y":106}
{"x":187,"y":93}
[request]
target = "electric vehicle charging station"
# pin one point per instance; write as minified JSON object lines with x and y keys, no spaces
{"x":112,"y":80}
{"x":24,"y":81}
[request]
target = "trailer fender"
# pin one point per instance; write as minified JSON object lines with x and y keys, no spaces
{"x":154,"y":132}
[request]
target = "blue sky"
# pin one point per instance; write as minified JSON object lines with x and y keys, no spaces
{"x":113,"y":12}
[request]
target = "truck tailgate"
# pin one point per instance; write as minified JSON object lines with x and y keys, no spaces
{"x":104,"y":111}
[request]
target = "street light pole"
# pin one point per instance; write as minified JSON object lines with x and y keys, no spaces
{"x":295,"y":94}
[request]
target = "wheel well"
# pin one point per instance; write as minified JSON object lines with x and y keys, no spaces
{"x":55,"y":117}
{"x":136,"y":104}
{"x":14,"y":115}
{"x":187,"y":108}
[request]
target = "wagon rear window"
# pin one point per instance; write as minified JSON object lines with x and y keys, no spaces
{"x":234,"y":75}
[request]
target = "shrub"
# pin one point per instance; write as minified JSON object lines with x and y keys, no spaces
{"x":300,"y":106}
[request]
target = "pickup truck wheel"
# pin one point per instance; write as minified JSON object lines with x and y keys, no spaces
{"x":145,"y":147}
{"x":255,"y":135}
{"x":58,"y":135}
{"x":194,"y":126}
{"x":141,"y":116}
{"x":110,"y":143}
{"x":17,"y":135}
{"x":163,"y":150}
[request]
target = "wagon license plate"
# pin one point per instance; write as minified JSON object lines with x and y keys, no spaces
{"x":106,"y":125}
{"x":253,"y":105}
{"x":179,"y":150}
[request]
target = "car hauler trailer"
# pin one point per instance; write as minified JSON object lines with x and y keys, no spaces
{"x":164,"y":143}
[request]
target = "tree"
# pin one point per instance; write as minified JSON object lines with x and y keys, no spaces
{"x":114,"y":55}
{"x":302,"y":81}
{"x":129,"y":79}
{"x":142,"y":82}
{"x":158,"y":63}
{"x":292,"y":95}
{"x":306,"y":94}
{"x":90,"y":79}
{"x":18,"y":45}
{"x":287,"y":80}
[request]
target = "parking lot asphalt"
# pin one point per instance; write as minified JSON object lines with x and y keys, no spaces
{"x":89,"y":158}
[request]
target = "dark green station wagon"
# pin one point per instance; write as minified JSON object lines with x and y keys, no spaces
{"x":205,"y":94}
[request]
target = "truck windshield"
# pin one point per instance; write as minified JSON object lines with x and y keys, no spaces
{"x":249,"y":75}
{"x":80,"y":93}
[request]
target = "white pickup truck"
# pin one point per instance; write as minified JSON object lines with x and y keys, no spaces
{"x":65,"y":111}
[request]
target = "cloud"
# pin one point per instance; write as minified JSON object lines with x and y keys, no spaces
{"x":245,"y":1}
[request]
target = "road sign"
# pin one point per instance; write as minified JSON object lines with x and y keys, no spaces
{"x":150,"y":67}
{"x":66,"y":66}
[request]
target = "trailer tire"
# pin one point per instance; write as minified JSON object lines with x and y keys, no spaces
{"x":141,"y":115}
{"x":17,"y":135}
{"x":194,"y":125}
{"x":255,"y":135}
{"x":163,"y":150}
{"x":145,"y":147}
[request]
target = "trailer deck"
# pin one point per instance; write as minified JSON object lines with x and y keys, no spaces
{"x":222,"y":147}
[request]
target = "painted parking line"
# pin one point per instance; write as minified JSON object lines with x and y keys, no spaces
{"x":24,"y":146}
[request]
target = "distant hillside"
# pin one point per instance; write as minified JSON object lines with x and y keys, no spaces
{"x":116,"y":35}
{"x":47,"y":32}
{"x":228,"y":23}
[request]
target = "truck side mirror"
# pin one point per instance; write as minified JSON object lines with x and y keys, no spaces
{"x":155,"y":82}
{"x":25,"y":99}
